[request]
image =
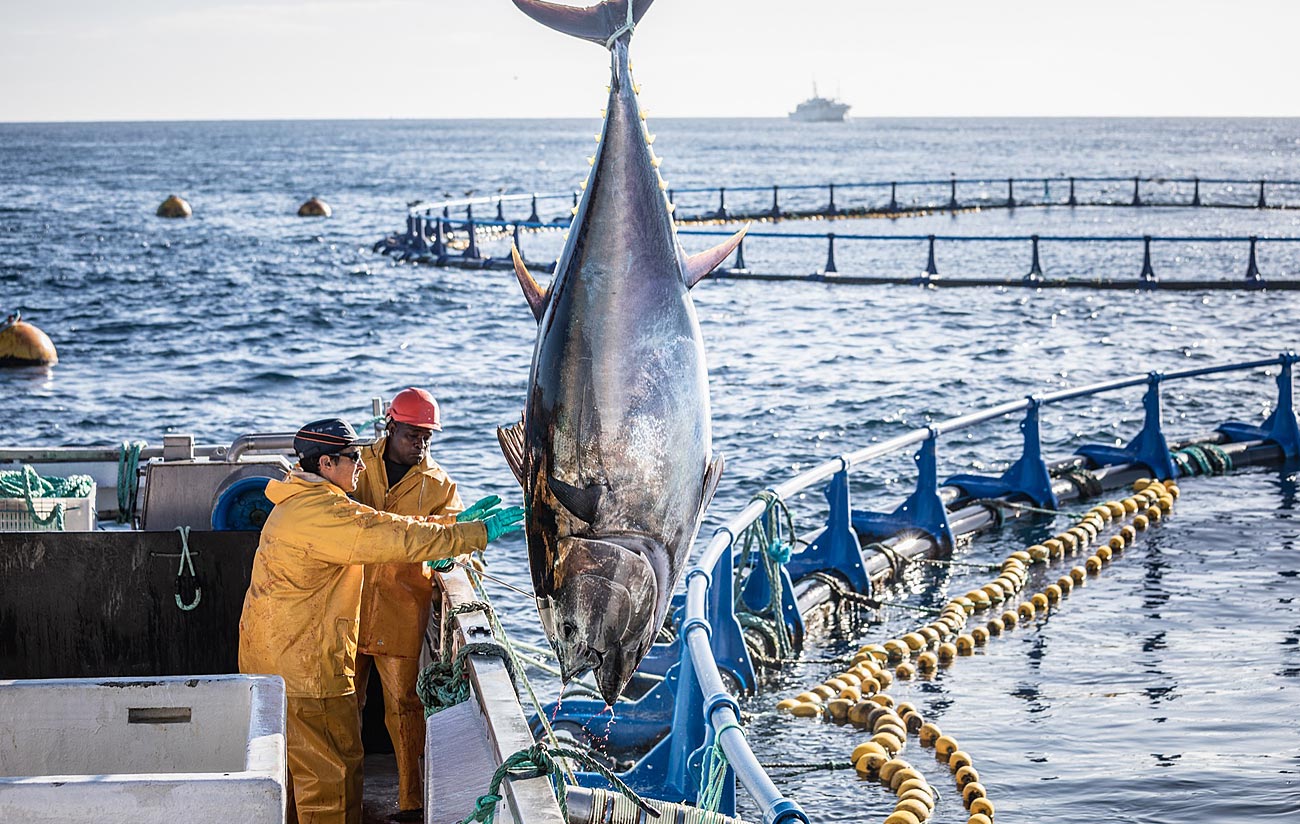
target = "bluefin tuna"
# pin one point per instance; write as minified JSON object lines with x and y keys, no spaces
{"x":614,"y":451}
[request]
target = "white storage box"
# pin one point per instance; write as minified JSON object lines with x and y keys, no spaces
{"x":143,"y":751}
{"x":78,"y":514}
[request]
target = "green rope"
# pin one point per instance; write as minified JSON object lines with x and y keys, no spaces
{"x":180,"y":573}
{"x":541,"y":760}
{"x":1202,"y":459}
{"x":715,"y":766}
{"x":441,"y":684}
{"x":499,"y":631}
{"x":128,"y":479}
{"x":771,"y":537}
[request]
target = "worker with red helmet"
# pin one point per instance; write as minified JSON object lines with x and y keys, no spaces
{"x":300,"y":612}
{"x":400,"y":477}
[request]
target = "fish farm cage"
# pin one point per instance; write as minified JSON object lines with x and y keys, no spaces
{"x":450,"y":234}
{"x":753,"y":597}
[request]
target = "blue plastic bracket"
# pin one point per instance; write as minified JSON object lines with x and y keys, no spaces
{"x":1149,"y":448}
{"x":728,"y":639}
{"x":1281,"y":426}
{"x":727,"y":804}
{"x":665,"y":771}
{"x":923,"y":510}
{"x":757,"y":595}
{"x":836,"y":549}
{"x":1027,"y":478}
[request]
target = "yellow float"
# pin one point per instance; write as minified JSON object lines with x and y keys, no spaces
{"x":22,"y":344}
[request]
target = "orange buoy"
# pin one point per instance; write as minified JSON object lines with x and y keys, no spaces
{"x":174,"y":206}
{"x":315,"y":207}
{"x":22,"y":344}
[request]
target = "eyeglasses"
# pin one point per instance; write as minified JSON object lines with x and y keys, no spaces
{"x":352,"y":456}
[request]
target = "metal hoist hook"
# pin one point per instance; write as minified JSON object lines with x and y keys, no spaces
{"x":186,"y":560}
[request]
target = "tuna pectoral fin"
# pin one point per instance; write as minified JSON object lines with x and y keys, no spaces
{"x":511,"y":439}
{"x":711,"y":477}
{"x":698,"y":266}
{"x":532,"y":292}
{"x":596,"y":23}
{"x":583,"y":503}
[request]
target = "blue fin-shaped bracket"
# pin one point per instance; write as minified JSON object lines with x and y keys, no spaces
{"x":1149,"y":448}
{"x":665,"y":772}
{"x":1280,"y":427}
{"x":726,"y":638}
{"x":836,"y":549}
{"x":923,"y":510}
{"x":1027,"y":478}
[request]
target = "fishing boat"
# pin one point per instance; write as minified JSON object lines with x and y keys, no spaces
{"x":818,"y":109}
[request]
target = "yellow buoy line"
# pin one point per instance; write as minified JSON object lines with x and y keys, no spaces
{"x":858,"y":695}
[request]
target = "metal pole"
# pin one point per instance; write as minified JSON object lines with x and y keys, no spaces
{"x":1262,"y":203}
{"x":1137,"y":198}
{"x":893,"y":197}
{"x":1148,"y":274}
{"x":830,"y":254}
{"x":1252,"y":268}
{"x":832,"y":210}
{"x":1072,"y":201}
{"x":930,"y":269}
{"x":532,"y":216}
{"x":952,"y":193}
{"x":1196,"y":191}
{"x":1035,"y":268}
{"x":501,"y":215}
{"x":776,"y":203}
{"x":1011,"y":193}
{"x":471,"y":250}
{"x":722,"y":203}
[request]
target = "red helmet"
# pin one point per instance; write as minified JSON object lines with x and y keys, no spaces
{"x":417,"y":408}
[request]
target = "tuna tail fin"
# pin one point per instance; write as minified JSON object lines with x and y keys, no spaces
{"x":533,"y":293}
{"x":599,"y":23}
{"x":511,"y":439}
{"x":698,"y":266}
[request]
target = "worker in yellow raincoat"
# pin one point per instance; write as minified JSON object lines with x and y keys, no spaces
{"x":400,"y":477}
{"x":301,"y":610}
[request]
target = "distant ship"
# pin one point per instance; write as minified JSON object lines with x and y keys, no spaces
{"x":818,"y":109}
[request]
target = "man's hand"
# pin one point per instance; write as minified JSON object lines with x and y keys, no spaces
{"x":503,"y":522}
{"x":481,"y":509}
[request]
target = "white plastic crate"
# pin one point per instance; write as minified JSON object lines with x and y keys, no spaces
{"x":78,"y":514}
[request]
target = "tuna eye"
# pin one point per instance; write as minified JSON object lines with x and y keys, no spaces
{"x":568,"y":630}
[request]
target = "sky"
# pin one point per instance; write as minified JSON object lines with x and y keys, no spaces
{"x":411,"y":59}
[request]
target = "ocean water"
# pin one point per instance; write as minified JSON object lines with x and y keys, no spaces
{"x":1166,"y":691}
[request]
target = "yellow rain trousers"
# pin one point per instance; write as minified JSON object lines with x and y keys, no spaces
{"x":300,"y":622}
{"x":395,"y":604}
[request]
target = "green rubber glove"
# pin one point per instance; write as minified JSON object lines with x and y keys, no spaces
{"x":504,"y":522}
{"x":439,"y":566}
{"x":482,"y":508}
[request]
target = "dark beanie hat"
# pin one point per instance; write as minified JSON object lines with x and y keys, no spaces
{"x":326,"y":437}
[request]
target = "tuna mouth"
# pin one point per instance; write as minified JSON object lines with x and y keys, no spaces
{"x":605,"y":607}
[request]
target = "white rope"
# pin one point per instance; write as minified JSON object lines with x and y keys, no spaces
{"x":628,"y":26}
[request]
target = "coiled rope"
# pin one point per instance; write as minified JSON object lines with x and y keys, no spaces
{"x":128,"y":479}
{"x":771,"y":538}
{"x":27,"y":484}
{"x":1202,"y":459}
{"x":543,"y":760}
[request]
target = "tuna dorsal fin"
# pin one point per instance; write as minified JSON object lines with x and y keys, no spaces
{"x":699,"y":266}
{"x":511,"y":439}
{"x":711,"y":477}
{"x":532,"y":292}
{"x":596,"y":23}
{"x":582,"y":502}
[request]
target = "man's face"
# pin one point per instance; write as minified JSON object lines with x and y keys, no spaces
{"x":343,"y":469}
{"x":407,"y":444}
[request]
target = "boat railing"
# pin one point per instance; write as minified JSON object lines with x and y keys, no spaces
{"x":721,"y":709}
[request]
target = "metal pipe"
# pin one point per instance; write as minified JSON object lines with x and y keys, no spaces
{"x":260,"y":442}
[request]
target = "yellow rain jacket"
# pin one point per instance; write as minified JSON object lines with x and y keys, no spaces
{"x":301,"y":610}
{"x":396,"y":598}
